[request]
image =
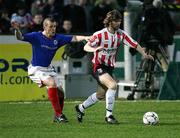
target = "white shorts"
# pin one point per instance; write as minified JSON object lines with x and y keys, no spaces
{"x":38,"y":74}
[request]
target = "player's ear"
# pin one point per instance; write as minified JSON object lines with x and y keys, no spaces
{"x":44,"y":24}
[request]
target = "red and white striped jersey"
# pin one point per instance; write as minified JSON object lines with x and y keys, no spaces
{"x":110,"y":43}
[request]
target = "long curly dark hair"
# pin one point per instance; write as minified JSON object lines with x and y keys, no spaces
{"x":112,"y":16}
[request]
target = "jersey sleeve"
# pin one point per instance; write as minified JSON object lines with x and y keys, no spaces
{"x":127,"y":40}
{"x":29,"y":37}
{"x":94,"y":41}
{"x":64,"y":39}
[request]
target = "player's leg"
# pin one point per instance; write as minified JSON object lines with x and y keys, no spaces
{"x":107,"y":80}
{"x":53,"y":97}
{"x":61,"y":102}
{"x":61,"y":97}
{"x":43,"y":78}
{"x":91,"y":100}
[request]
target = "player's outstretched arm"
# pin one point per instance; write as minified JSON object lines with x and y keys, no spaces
{"x":18,"y":33}
{"x":142,"y":52}
{"x":88,"y":48}
{"x":77,"y":38}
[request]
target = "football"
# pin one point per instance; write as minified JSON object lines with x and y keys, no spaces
{"x":150,"y":118}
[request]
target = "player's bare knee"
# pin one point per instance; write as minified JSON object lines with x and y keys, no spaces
{"x":52,"y":84}
{"x":101,"y":91}
{"x":100,"y":95}
{"x":113,"y":86}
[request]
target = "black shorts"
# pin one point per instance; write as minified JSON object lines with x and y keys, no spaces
{"x":101,"y":69}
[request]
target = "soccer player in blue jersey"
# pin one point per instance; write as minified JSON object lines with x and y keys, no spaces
{"x":44,"y":46}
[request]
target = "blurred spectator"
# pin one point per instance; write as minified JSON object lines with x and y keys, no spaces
{"x":37,"y":7}
{"x":66,"y":27}
{"x":38,"y":21}
{"x":77,"y":15}
{"x":5,"y":24}
{"x":52,"y":9}
{"x":99,"y":13}
{"x":23,"y":18}
{"x":87,"y":8}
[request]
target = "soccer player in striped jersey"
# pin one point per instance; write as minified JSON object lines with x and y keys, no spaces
{"x":44,"y":46}
{"x":104,"y":44}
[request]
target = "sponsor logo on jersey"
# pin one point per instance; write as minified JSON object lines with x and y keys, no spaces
{"x":109,"y":51}
{"x":48,"y":47}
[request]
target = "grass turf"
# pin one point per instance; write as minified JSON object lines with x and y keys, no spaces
{"x":34,"y":120}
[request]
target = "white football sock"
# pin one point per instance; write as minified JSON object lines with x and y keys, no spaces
{"x":110,"y":98}
{"x":88,"y":102}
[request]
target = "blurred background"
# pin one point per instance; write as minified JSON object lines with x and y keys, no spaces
{"x":85,"y":17}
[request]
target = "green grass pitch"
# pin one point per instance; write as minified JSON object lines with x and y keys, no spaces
{"x":34,"y":120}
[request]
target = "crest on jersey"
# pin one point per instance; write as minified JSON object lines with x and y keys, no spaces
{"x":55,"y":42}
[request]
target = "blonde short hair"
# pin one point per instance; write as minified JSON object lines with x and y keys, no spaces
{"x":49,"y":19}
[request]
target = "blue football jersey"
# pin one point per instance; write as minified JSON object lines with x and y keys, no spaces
{"x":43,"y":48}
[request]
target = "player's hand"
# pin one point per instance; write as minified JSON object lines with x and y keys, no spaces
{"x":146,"y":56}
{"x":99,"y":48}
{"x":15,"y":25}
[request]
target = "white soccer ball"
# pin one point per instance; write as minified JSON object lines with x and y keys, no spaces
{"x":150,"y":118}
